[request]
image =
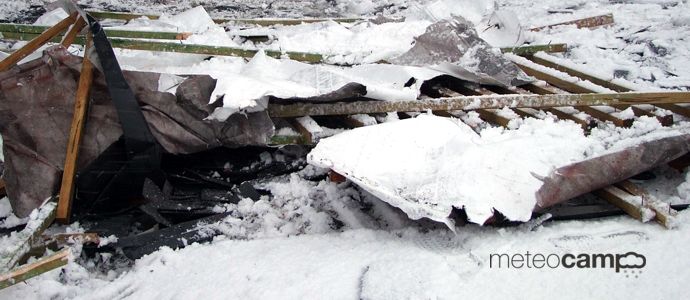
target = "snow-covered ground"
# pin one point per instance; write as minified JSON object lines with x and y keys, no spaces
{"x":292,"y":247}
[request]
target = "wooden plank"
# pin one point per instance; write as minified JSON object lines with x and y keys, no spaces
{"x":664,"y":214}
{"x":629,"y":203}
{"x":302,"y":127}
{"x":475,"y":102}
{"x":596,"y":113}
{"x":3,"y":191}
{"x":556,"y":81}
{"x":543,"y":60}
{"x":677,"y":109}
{"x":493,"y":117}
{"x":261,"y":22}
{"x":582,"y":23}
{"x":75,"y":136}
{"x":73,"y":238}
{"x":209,"y":50}
{"x":527,"y":50}
{"x":586,"y":125}
{"x":34,"y":44}
{"x":34,"y":269}
{"x":27,"y":32}
{"x":29,"y":236}
{"x":666,"y":120}
{"x":71,"y":35}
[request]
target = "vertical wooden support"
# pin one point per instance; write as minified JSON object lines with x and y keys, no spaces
{"x":34,"y":269}
{"x":34,"y":44}
{"x":73,"y":32}
{"x":75,"y":136}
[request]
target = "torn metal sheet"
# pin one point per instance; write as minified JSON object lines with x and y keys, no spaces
{"x":36,"y":107}
{"x":454,"y":48}
{"x":446,"y":165}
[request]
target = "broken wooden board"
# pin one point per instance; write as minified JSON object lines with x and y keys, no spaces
{"x":631,"y":204}
{"x":475,"y":102}
{"x":664,"y":214}
{"x":582,"y":23}
{"x":39,"y":220}
{"x":34,"y":269}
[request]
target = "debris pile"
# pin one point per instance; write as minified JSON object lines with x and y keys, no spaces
{"x":158,"y":159}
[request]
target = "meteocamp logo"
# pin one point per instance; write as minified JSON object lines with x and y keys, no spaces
{"x":631,"y":263}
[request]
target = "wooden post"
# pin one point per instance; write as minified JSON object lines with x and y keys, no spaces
{"x":75,"y":136}
{"x":34,"y":269}
{"x":34,"y":44}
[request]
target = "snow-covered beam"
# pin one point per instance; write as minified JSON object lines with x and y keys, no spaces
{"x":476,"y":102}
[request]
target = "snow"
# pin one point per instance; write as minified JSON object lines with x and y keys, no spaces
{"x":321,"y":239}
{"x":445,"y":164}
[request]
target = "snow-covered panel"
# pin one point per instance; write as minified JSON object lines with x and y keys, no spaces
{"x":427,"y":165}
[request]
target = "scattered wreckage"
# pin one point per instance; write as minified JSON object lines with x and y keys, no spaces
{"x":127,"y":151}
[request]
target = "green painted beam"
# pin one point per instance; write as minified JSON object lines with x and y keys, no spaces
{"x":36,"y":29}
{"x":531,"y":49}
{"x":261,"y":22}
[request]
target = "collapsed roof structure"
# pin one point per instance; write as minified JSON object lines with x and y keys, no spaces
{"x":123,"y":147}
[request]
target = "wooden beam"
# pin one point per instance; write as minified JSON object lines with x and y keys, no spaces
{"x":27,"y":32}
{"x":29,"y":236}
{"x":547,"y":61}
{"x":81,"y":104}
{"x":629,"y":203}
{"x":666,"y":120}
{"x":34,"y":44}
{"x":677,"y":109}
{"x":209,"y":50}
{"x":68,"y":39}
{"x":603,"y":116}
{"x":260,"y":22}
{"x":664,"y":214}
{"x":582,"y":23}
{"x":566,"y":85}
{"x":586,"y":125}
{"x":34,"y":269}
{"x":475,"y":102}
{"x":493,"y":117}
{"x":527,"y":50}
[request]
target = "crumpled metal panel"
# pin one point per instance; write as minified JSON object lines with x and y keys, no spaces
{"x":594,"y":173}
{"x":453,"y":46}
{"x":36,"y":105}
